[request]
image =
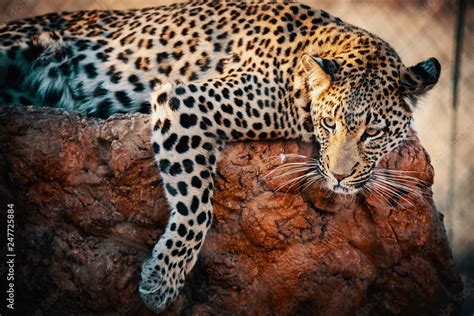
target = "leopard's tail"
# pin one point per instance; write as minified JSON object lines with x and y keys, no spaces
{"x":30,"y":68}
{"x":14,"y":51}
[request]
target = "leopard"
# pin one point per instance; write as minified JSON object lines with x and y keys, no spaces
{"x":213,"y":72}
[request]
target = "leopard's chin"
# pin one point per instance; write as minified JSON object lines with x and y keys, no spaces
{"x":341,"y":189}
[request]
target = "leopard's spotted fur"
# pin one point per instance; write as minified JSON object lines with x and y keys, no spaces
{"x":215,"y":72}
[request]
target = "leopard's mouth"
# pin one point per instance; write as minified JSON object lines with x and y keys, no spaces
{"x":346,"y":186}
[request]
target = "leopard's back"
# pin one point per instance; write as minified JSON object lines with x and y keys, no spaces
{"x":105,"y":62}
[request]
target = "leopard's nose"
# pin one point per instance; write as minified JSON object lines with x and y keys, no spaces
{"x":340,"y":177}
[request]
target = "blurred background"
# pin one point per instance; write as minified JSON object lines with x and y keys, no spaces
{"x":444,"y":120}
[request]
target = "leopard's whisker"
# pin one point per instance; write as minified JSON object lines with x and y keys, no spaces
{"x":376,"y":194}
{"x":290,"y":184}
{"x":394,"y":185}
{"x":393,"y":192}
{"x":282,"y":157}
{"x":295,"y":179}
{"x":289,"y":167}
{"x":383,"y":194}
{"x":404,"y":178}
{"x":298,"y":179}
{"x":386,"y":170}
{"x":311,"y":181}
{"x":401,"y":183}
{"x":408,"y":183}
{"x":286,"y":173}
{"x":283,"y":168}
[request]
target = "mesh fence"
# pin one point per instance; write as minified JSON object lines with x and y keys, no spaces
{"x":417,"y":29}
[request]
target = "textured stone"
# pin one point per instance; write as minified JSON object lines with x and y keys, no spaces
{"x":89,"y":207}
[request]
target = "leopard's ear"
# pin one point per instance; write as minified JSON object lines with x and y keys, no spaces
{"x":319,"y":73}
{"x":313,"y":63}
{"x":416,"y":80}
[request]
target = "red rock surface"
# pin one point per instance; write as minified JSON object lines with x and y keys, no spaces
{"x":89,"y":207}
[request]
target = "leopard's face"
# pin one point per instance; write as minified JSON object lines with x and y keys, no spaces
{"x":360,"y":113}
{"x":356,"y":134}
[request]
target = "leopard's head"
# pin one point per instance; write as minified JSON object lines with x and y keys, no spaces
{"x":361,"y":108}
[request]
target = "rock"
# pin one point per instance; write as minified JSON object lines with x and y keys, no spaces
{"x":89,"y":206}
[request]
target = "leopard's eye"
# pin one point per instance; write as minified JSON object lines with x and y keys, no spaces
{"x":328,"y":123}
{"x":372,"y":133}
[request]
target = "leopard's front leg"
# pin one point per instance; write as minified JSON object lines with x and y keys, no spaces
{"x":186,"y":157}
{"x":190,"y":121}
